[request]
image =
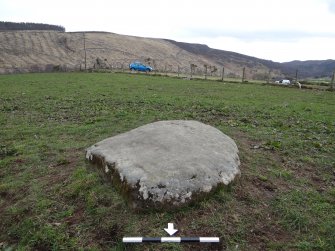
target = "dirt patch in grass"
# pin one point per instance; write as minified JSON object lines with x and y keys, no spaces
{"x":254,"y":205}
{"x":312,"y":174}
{"x":255,"y":191}
{"x":108,"y":235}
{"x":76,"y":217}
{"x":62,"y":168}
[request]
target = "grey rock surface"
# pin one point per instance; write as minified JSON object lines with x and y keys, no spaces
{"x":167,"y":163}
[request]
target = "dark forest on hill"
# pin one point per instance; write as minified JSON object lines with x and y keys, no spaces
{"x":8,"y":26}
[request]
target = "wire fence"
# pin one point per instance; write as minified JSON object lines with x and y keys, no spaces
{"x":159,"y":68}
{"x":122,"y":65}
{"x":193,"y":71}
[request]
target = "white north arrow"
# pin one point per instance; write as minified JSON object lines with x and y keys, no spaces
{"x":170,"y":230}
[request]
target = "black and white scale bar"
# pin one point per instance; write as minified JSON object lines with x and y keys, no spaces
{"x":170,"y":239}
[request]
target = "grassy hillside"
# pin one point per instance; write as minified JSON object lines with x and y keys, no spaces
{"x":35,"y":51}
{"x":25,"y":51}
{"x":310,"y":68}
{"x":50,"y":198}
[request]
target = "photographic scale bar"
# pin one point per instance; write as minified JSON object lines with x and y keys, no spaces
{"x":170,"y":239}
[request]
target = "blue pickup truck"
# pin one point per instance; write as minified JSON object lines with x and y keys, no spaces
{"x":138,"y":66}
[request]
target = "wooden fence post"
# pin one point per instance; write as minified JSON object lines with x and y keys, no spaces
{"x":296,"y":76}
{"x":269,"y":77}
{"x":85,"y":50}
{"x":191,"y":71}
{"x":243,"y":75}
{"x":222,"y":74}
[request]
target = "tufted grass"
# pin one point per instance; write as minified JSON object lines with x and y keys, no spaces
{"x":50,"y":199}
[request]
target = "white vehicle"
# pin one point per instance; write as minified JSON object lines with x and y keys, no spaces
{"x":283,"y":82}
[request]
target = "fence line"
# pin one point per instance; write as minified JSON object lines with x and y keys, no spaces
{"x":192,"y":71}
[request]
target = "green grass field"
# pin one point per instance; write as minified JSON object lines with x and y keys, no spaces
{"x":51,"y":199}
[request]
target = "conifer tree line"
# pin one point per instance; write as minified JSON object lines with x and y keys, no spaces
{"x":7,"y":26}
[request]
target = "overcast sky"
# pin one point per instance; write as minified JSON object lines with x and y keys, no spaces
{"x":279,"y":30}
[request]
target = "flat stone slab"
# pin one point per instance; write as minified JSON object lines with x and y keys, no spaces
{"x":166,"y":164}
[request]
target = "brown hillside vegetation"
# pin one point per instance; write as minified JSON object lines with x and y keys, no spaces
{"x":29,"y":51}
